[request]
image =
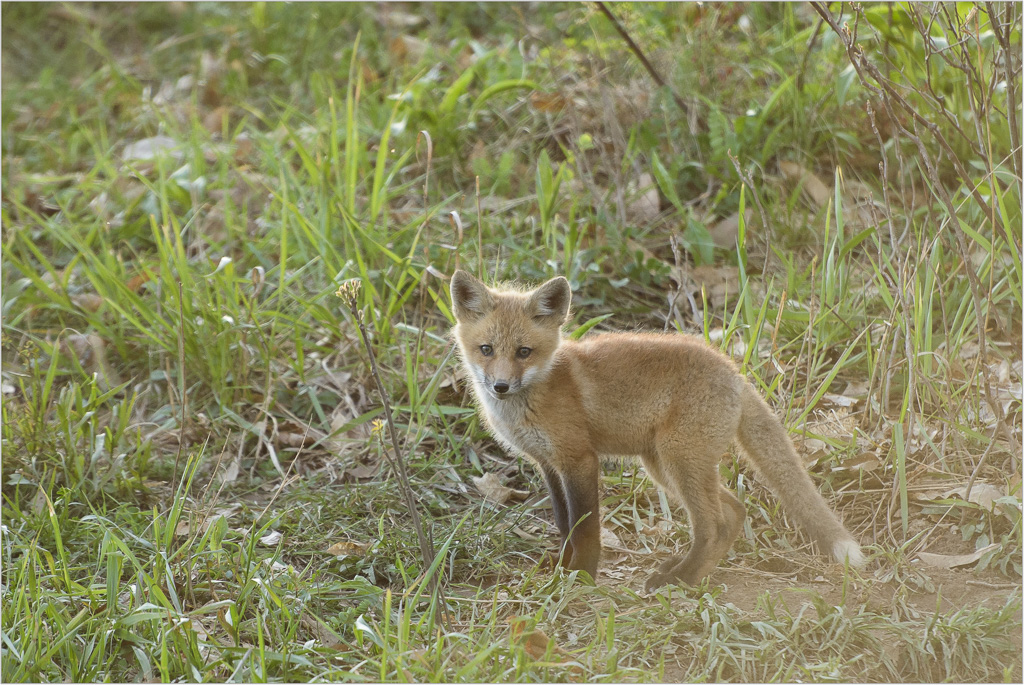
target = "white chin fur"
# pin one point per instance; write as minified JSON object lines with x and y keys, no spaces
{"x":848,"y":549}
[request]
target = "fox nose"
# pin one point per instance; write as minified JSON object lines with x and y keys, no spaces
{"x":500,"y":387}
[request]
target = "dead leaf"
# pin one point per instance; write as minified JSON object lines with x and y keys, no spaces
{"x":813,"y":186}
{"x":363,"y":471}
{"x":408,"y":48}
{"x":839,"y":400}
{"x":214,"y":119}
{"x":645,"y":206}
{"x":858,"y":389}
{"x":954,"y":560}
{"x":525,"y":535}
{"x":479,"y":151}
{"x":200,"y":524}
{"x":726,"y":232}
{"x":717,"y":281}
{"x":493,"y":491}
{"x":230,"y":472}
{"x":814,"y":445}
{"x":293,"y":439}
{"x":347,"y":548}
{"x":136,"y":282}
{"x":548,"y":102}
{"x":536,"y":642}
{"x":397,"y":19}
{"x":90,"y":351}
{"x":982,"y":494}
{"x":865,"y":461}
{"x":90,"y":302}
{"x":322,"y":632}
{"x":150,"y":148}
{"x":609,"y":538}
{"x":293,"y":434}
{"x":243,"y":147}
{"x":271,"y":539}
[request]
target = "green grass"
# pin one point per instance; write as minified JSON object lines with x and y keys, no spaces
{"x":194,"y":484}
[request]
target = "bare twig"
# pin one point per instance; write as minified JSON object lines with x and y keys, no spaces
{"x":892,"y":100}
{"x":889,"y":95}
{"x":348,"y":293}
{"x":635,"y":49}
{"x":807,"y":53}
{"x":1011,"y":76}
{"x":479,"y":234}
{"x":181,"y":381}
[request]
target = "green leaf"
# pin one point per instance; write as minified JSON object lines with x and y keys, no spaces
{"x":586,"y":326}
{"x":664,"y":180}
{"x":501,"y":87}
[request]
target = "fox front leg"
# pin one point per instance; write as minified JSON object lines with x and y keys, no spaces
{"x":584,"y":519}
{"x":560,"y":509}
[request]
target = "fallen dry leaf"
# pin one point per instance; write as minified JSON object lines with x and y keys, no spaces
{"x":363,"y":471}
{"x":230,"y":472}
{"x":90,"y":352}
{"x":858,"y":389}
{"x":213,"y":121}
{"x":839,"y":400}
{"x":493,"y":491}
{"x":271,"y":539}
{"x":813,"y":186}
{"x":548,"y":102}
{"x":865,"y":461}
{"x":322,"y":632}
{"x":645,"y":206}
{"x":149,"y":148}
{"x":347,"y":548}
{"x":524,"y":534}
{"x":609,"y":538}
{"x":408,"y":48}
{"x":201,"y":523}
{"x":725,"y":232}
{"x":90,"y":302}
{"x":244,"y":147}
{"x":536,"y":643}
{"x":954,"y":560}
{"x":717,"y":281}
{"x":982,"y":494}
{"x":396,"y":19}
{"x":136,"y":282}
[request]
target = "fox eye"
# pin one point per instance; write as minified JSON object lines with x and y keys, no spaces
{"x":486,"y":350}
{"x":523,"y":352}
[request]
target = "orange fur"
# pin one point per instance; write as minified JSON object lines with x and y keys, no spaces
{"x":671,"y":400}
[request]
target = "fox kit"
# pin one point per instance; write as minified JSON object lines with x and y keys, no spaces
{"x":671,"y":400}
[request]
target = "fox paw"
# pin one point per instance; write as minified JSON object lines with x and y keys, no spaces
{"x":657,"y":580}
{"x":551,"y":559}
{"x":670,"y":574}
{"x":669,"y":564}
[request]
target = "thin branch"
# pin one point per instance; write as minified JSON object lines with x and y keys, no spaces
{"x":807,"y":53}
{"x":885,"y":91}
{"x":347,"y":293}
{"x":181,"y":380}
{"x":635,"y":49}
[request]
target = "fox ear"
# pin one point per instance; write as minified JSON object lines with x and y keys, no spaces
{"x":551,"y":301}
{"x":470,"y":298}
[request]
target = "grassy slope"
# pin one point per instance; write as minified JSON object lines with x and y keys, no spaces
{"x":180,"y":382}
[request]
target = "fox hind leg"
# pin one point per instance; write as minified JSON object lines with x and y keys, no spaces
{"x":715,"y":514}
